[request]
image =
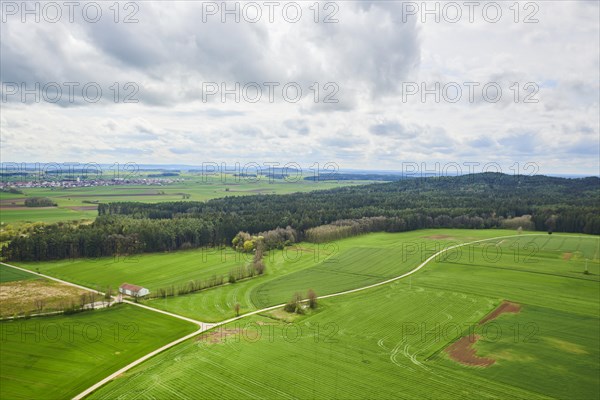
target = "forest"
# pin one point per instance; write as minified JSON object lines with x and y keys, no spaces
{"x":476,"y":201}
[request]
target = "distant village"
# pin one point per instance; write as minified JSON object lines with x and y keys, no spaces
{"x":78,"y":182}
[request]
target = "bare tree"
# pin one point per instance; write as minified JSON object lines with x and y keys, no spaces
{"x":259,"y":267}
{"x":312,"y":298}
{"x":82,"y":300}
{"x":92,"y":297}
{"x":39,"y":304}
{"x":108,"y":293}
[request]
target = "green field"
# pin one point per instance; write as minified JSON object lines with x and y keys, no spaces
{"x":326,"y":268}
{"x":151,"y":270}
{"x":384,"y":342}
{"x":71,"y":200}
{"x":58,"y":357}
{"x":8,"y":274}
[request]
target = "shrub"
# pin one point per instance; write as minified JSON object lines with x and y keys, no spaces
{"x":295,"y":304}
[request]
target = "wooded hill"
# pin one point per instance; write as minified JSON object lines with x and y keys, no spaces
{"x":475,"y":201}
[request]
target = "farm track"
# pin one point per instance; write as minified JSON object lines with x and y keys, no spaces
{"x":203,"y":326}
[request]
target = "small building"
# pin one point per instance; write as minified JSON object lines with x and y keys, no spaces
{"x":133,"y":290}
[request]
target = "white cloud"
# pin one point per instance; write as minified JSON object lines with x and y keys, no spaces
{"x":366,"y":57}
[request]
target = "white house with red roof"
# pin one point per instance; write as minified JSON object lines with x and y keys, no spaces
{"x":133,"y":290}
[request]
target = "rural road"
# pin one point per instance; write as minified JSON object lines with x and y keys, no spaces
{"x":206,"y":326}
{"x":199,"y":323}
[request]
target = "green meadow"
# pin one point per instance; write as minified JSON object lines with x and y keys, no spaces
{"x":390,"y":341}
{"x":325,"y":268}
{"x":8,"y":274}
{"x":151,"y":270}
{"x":58,"y":357}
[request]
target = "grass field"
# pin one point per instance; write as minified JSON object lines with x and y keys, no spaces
{"x":58,"y":357}
{"x":8,"y":274}
{"x":79,"y":203}
{"x":389,"y":342}
{"x":326,"y":268}
{"x":154,"y":270}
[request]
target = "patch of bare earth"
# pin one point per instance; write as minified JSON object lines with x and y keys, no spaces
{"x":217,"y":336}
{"x":462,"y":351}
{"x":27,"y":296}
{"x":567,"y":256}
{"x":505,"y":307}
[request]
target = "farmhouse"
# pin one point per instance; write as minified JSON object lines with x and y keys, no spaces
{"x":133,"y":290}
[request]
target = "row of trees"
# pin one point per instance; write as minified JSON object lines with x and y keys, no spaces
{"x":39,"y":202}
{"x":255,"y":268}
{"x":474,"y":201}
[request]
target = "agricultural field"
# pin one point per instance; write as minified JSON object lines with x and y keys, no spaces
{"x":326,"y":268}
{"x":396,"y":340}
{"x":151,"y":270}
{"x":23,"y":293}
{"x":8,"y":274}
{"x":80,"y":203}
{"x":58,"y":357}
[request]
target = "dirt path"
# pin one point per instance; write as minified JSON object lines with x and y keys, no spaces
{"x":199,"y":323}
{"x":206,"y":326}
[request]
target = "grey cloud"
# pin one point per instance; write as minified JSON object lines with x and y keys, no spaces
{"x":297,"y":125}
{"x":393,"y":129}
{"x":525,"y":142}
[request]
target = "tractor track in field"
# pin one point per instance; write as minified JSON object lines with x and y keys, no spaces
{"x":203,"y":326}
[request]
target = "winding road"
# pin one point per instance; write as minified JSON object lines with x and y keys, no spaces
{"x":203,"y":326}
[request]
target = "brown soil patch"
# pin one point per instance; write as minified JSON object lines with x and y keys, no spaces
{"x":217,"y":336}
{"x":438,"y":237}
{"x":567,"y":256}
{"x":462,"y":351}
{"x":20,"y":296}
{"x":505,"y":307}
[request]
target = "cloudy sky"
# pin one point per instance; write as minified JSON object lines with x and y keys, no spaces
{"x":364,"y":84}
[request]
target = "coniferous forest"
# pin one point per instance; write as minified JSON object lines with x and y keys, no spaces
{"x":476,"y":201}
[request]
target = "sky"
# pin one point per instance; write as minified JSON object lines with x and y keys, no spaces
{"x":361,"y":84}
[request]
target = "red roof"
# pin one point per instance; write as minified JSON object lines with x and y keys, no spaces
{"x":130,"y":287}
